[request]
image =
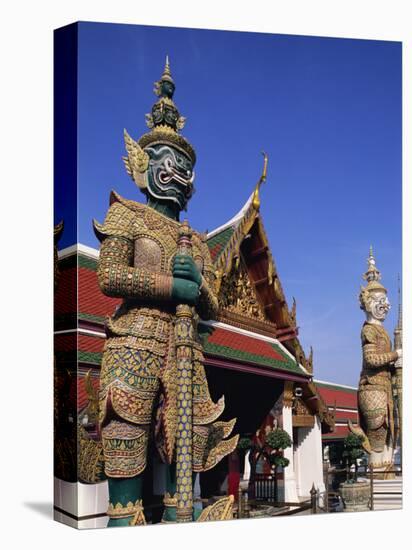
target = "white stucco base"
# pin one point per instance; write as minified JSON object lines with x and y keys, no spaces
{"x":81,"y":500}
{"x":308,"y":460}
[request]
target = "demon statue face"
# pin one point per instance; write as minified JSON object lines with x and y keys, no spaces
{"x":170,"y":175}
{"x":375,"y":304}
{"x":379,"y":305}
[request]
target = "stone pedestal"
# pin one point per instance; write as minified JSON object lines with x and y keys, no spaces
{"x":356,"y":496}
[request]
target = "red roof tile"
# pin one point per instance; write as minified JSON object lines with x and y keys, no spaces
{"x":92,"y":344}
{"x":339,"y":432}
{"x":65,"y":342}
{"x":241,"y":342}
{"x":345,"y":415}
{"x":91,"y":298}
{"x":65,"y":300}
{"x":343,"y":398}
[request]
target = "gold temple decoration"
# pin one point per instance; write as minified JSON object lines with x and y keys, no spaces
{"x":224,"y":264}
{"x":92,"y":409}
{"x":288,"y":394}
{"x":309,"y":363}
{"x":220,"y":510}
{"x":262,"y":179}
{"x":90,"y":458}
{"x":135,"y":511}
{"x":237,"y":293}
{"x":293,"y":312}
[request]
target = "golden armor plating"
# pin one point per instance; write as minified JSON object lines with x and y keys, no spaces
{"x":138,"y":376}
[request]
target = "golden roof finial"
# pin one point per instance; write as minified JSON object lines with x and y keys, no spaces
{"x":256,"y":198}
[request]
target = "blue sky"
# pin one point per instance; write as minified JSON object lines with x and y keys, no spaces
{"x":328,"y":113}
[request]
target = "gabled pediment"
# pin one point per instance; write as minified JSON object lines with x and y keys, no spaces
{"x":237,"y":293}
{"x":248,"y":283}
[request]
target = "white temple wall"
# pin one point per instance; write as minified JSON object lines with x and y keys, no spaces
{"x":290,"y":489}
{"x":308,"y":460}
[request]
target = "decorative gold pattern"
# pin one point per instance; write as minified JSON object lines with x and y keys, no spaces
{"x":136,"y":162}
{"x":237,"y":294}
{"x":210,"y":446}
{"x":135,"y":511}
{"x":288,"y":394}
{"x":139,"y":371}
{"x":184,"y":336}
{"x":375,"y":390}
{"x":375,"y":386}
{"x":124,"y":447}
{"x":90,"y":457}
{"x":220,"y":510}
{"x":300,"y":408}
{"x":170,"y":501}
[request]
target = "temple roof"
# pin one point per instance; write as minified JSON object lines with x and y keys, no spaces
{"x":271,"y":344}
{"x":235,"y":344}
{"x":244,"y":237}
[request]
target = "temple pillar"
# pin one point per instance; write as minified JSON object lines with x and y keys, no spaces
{"x":290,"y":494}
{"x":308,"y":459}
{"x":246,"y":472}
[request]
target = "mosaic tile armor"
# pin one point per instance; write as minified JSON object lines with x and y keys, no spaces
{"x":138,"y":375}
{"x":375,"y":386}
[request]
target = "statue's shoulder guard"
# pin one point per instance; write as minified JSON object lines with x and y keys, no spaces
{"x":120,"y":219}
{"x":372,"y":333}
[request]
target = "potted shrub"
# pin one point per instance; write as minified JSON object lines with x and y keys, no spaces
{"x":355,"y":493}
{"x":277,"y":441}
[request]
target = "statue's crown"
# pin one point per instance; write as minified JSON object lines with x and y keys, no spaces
{"x":372,"y":275}
{"x":165,"y":121}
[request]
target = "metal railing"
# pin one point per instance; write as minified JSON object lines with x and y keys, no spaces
{"x":363,"y":471}
{"x":266,"y":491}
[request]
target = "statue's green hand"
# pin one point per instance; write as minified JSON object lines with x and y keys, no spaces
{"x":184,"y":291}
{"x":184,"y":267}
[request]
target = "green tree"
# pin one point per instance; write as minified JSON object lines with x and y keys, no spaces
{"x":271,"y":450}
{"x":277,"y":441}
{"x":352,"y":451}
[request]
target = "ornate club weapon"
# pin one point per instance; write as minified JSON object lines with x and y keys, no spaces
{"x":397,"y":386}
{"x":184,"y":344}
